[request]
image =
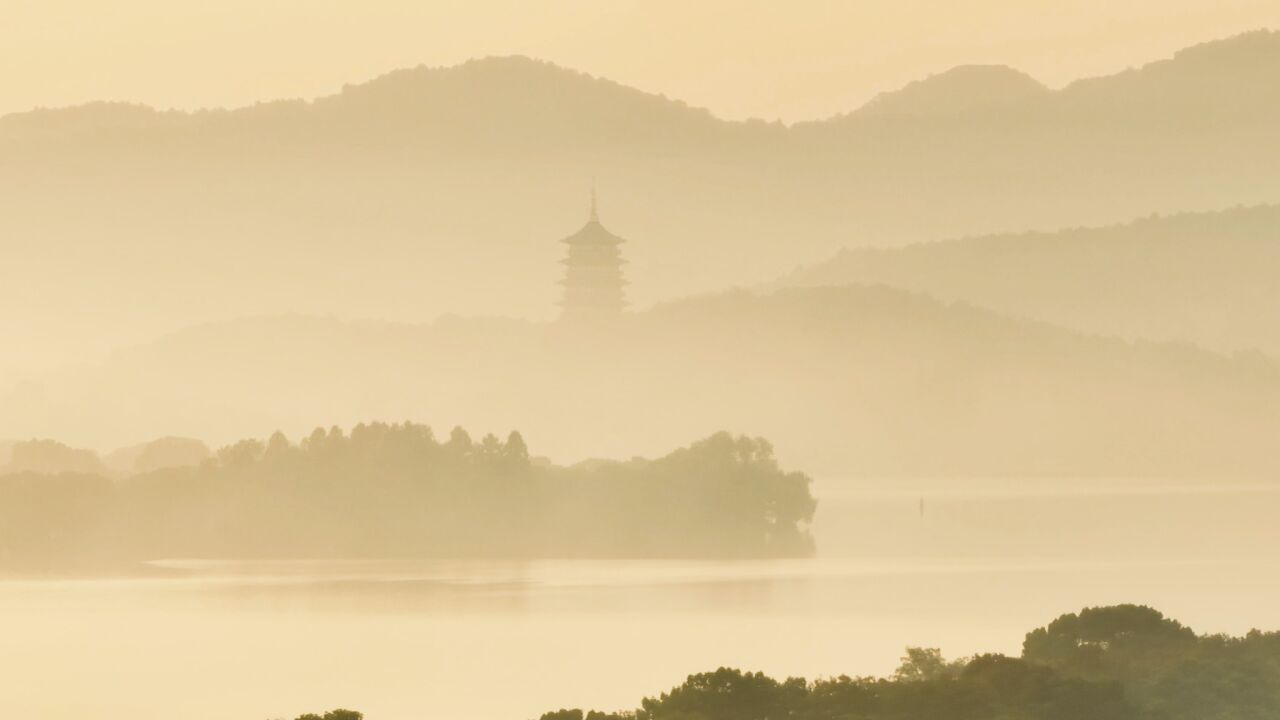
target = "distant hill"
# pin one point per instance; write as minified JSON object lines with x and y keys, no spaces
{"x":47,"y":456}
{"x":966,"y":91}
{"x":848,"y":381}
{"x":160,"y":454}
{"x":433,"y":190}
{"x":51,"y":457}
{"x":1209,"y":278}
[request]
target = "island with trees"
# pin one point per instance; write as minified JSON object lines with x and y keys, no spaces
{"x":396,"y":491}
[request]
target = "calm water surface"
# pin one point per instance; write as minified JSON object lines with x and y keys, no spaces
{"x":496,"y":640}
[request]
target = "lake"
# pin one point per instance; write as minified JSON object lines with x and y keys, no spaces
{"x":964,"y":571}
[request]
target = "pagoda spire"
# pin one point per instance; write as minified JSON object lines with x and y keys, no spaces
{"x":595,"y":216}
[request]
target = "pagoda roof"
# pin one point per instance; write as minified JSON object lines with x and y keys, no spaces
{"x":593,"y":233}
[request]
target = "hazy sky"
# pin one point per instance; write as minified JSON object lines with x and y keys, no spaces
{"x":795,"y":60}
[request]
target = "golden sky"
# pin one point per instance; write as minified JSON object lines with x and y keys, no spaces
{"x":797,"y":59}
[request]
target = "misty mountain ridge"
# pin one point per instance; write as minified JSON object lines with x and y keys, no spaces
{"x":1202,"y":278}
{"x":49,"y":456}
{"x":1224,"y":68}
{"x":435,"y":190}
{"x":908,"y":387}
{"x":501,"y":93}
{"x":1240,"y":71}
{"x":1200,"y":80}
{"x":963,"y":90}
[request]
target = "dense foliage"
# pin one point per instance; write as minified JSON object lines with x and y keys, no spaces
{"x":1115,"y":663}
{"x":334,"y":715}
{"x":395,"y":490}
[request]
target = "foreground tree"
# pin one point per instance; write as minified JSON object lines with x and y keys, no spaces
{"x":334,"y":715}
{"x":1125,"y":662}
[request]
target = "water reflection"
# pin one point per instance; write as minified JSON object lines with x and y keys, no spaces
{"x":399,"y":639}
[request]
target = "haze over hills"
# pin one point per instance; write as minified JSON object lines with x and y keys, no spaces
{"x":435,"y":190}
{"x":50,"y":457}
{"x":849,"y":381}
{"x":1207,"y":278}
{"x":530,"y":354}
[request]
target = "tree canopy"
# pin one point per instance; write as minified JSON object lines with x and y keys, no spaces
{"x":1125,"y":662}
{"x":396,"y":491}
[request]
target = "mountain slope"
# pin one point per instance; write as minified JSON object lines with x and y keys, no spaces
{"x":1206,"y":278}
{"x":849,"y":381}
{"x":967,"y":90}
{"x":433,"y":190}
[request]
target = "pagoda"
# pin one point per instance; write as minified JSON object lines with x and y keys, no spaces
{"x":593,"y":281}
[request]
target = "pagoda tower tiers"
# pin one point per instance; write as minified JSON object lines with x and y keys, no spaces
{"x":593,"y":282}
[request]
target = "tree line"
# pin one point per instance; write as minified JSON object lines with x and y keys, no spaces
{"x":1123,"y":662}
{"x":396,"y":490}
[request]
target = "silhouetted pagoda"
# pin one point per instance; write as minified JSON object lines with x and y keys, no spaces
{"x":593,"y":279}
